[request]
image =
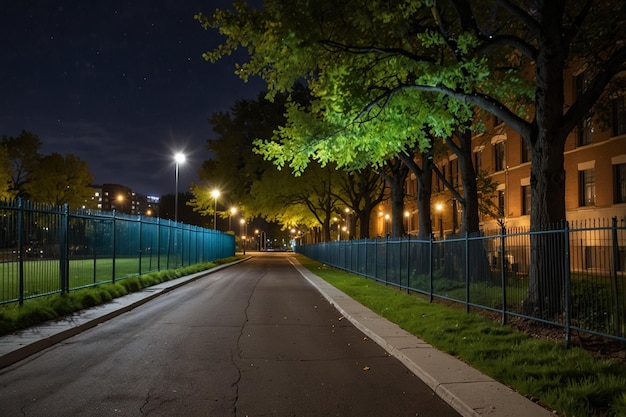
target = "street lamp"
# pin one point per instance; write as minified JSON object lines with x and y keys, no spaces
{"x":179,"y":158}
{"x":439,"y":208}
{"x":120,"y":199}
{"x":408,"y":222}
{"x":215,"y":194}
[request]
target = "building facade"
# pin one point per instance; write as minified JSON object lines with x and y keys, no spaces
{"x":122,"y":199}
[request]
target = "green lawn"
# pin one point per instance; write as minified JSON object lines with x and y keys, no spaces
{"x":42,"y":276}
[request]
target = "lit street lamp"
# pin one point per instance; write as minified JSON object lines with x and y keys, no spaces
{"x":120,"y":199}
{"x":179,"y":158}
{"x":439,"y":208}
{"x":215,"y":194}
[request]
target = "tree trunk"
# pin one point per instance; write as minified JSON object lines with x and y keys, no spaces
{"x":424,"y":177}
{"x":396,"y":177}
{"x":547,"y":177}
{"x":364,"y":223}
{"x":470,"y":219}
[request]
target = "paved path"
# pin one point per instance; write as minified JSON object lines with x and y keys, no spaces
{"x":288,"y":321}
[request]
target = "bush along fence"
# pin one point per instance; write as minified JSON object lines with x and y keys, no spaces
{"x":570,"y":275}
{"x":47,"y":249}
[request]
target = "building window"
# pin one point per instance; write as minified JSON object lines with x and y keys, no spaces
{"x":498,"y":151}
{"x":501,"y":203}
{"x":619,"y":116}
{"x":620,"y":183}
{"x":587,"y":187}
{"x":525,"y":200}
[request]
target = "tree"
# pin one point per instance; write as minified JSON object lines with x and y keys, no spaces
{"x":361,"y":191}
{"x":58,"y":180}
{"x":457,"y":50}
{"x":395,"y":173}
{"x":23,"y":152}
{"x":309,"y":199}
{"x":234,"y":165}
{"x":6,"y":179}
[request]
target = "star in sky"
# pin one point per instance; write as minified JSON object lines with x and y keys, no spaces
{"x":120,"y":84}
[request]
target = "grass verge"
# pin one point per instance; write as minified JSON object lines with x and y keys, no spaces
{"x":569,"y":381}
{"x":37,"y":310}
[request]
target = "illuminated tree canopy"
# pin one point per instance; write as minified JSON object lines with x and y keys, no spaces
{"x":385,"y":74}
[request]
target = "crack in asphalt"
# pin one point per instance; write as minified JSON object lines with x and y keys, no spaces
{"x":238,"y":350}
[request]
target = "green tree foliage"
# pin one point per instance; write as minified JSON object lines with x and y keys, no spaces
{"x":465,"y":52}
{"x":362,"y":113}
{"x":309,"y":200}
{"x":58,"y":180}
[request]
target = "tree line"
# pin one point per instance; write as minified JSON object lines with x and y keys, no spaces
{"x":53,"y":179}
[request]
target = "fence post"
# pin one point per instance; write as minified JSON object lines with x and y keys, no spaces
{"x":20,"y":248}
{"x":467,"y":277}
{"x":566,"y":266}
{"x":430,"y":269}
{"x":503,"y":272}
{"x":386,"y":257}
{"x":114,"y":250}
{"x":614,"y":269}
{"x":140,"y":241}
{"x":158,"y":222}
{"x":64,"y":261}
{"x":408,"y":263}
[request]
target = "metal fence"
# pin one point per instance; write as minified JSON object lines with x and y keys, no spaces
{"x":45,"y":249}
{"x":570,"y":276}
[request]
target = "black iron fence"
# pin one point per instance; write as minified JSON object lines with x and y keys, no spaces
{"x":571,"y":275}
{"x":46,"y":249}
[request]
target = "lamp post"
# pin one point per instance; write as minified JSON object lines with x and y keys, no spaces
{"x":215,"y":194}
{"x":179,"y":158}
{"x":242,"y":222}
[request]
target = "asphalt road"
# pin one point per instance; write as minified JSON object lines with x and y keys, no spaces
{"x":254,"y":339}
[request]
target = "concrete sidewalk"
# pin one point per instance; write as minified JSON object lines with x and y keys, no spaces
{"x":468,"y":391}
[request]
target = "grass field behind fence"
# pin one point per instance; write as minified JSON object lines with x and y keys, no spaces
{"x":42,"y":276}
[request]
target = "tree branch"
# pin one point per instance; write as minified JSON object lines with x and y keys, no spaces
{"x":524,"y":18}
{"x":337,"y":46}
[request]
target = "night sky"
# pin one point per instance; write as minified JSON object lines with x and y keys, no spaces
{"x":120,"y":84}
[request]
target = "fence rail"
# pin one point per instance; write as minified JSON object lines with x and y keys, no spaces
{"x":570,"y":276}
{"x":46,"y":249}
